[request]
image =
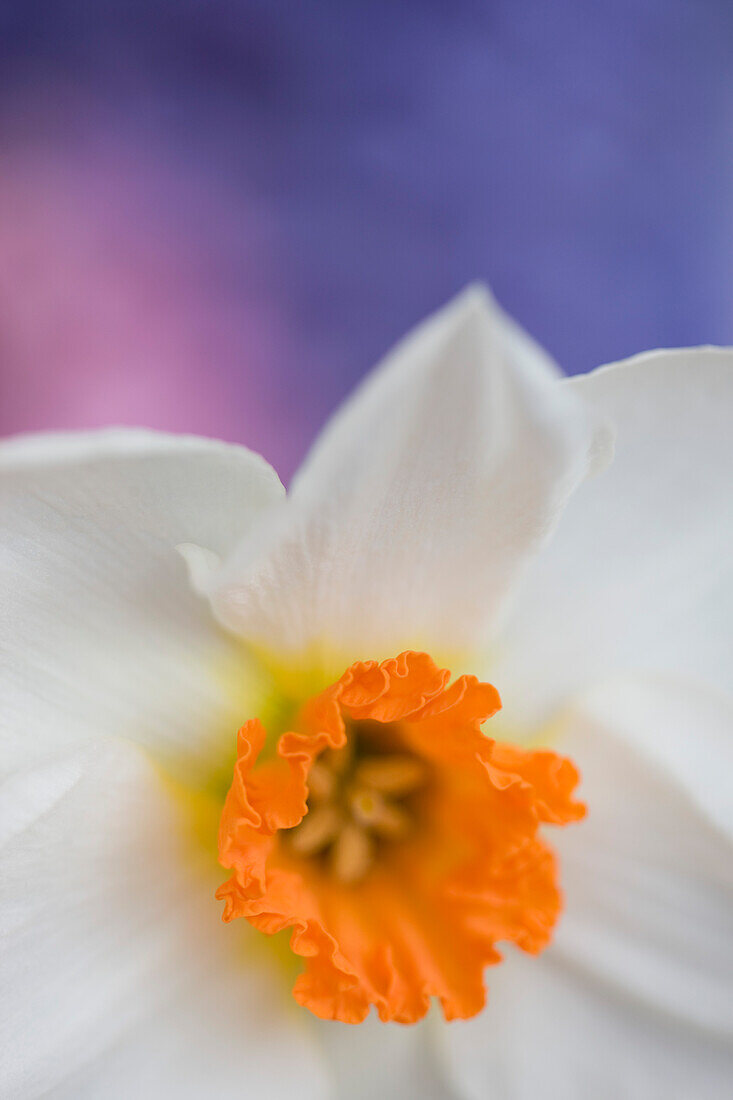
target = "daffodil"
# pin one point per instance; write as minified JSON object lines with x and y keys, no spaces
{"x":353,"y":714}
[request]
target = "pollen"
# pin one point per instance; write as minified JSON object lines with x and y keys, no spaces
{"x":396,"y":840}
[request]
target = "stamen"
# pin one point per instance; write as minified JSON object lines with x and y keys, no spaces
{"x":322,"y":782}
{"x":352,"y":854}
{"x":395,"y":775}
{"x":372,"y":811}
{"x":317,"y":830}
{"x":351,"y":806}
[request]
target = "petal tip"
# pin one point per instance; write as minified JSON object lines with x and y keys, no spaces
{"x":201,"y":564}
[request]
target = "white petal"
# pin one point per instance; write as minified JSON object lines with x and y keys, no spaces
{"x":649,"y":876}
{"x":548,"y":1031}
{"x":421,"y":501}
{"x":640,"y":570}
{"x":100,"y":631}
{"x":634,"y":997}
{"x":391,"y":1063}
{"x":203,"y":564}
{"x":119,"y":978}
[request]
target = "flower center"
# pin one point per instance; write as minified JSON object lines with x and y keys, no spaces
{"x":360,"y":798}
{"x":395,"y":841}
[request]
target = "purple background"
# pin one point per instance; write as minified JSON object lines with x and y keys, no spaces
{"x":215,"y":216}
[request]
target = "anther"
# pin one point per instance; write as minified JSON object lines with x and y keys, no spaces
{"x":322,"y":782}
{"x":352,"y":854}
{"x":317,"y":830}
{"x":394,"y":775}
{"x":372,"y":811}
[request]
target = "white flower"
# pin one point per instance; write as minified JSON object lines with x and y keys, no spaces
{"x":446,"y":508}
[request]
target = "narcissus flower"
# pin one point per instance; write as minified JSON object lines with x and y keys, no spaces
{"x":385,"y":827}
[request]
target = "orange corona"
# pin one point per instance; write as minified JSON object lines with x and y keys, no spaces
{"x":396,"y":840}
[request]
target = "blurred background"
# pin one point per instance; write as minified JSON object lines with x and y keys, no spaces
{"x":215,"y":215}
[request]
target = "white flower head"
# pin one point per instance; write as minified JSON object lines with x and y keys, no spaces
{"x":450,"y":508}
